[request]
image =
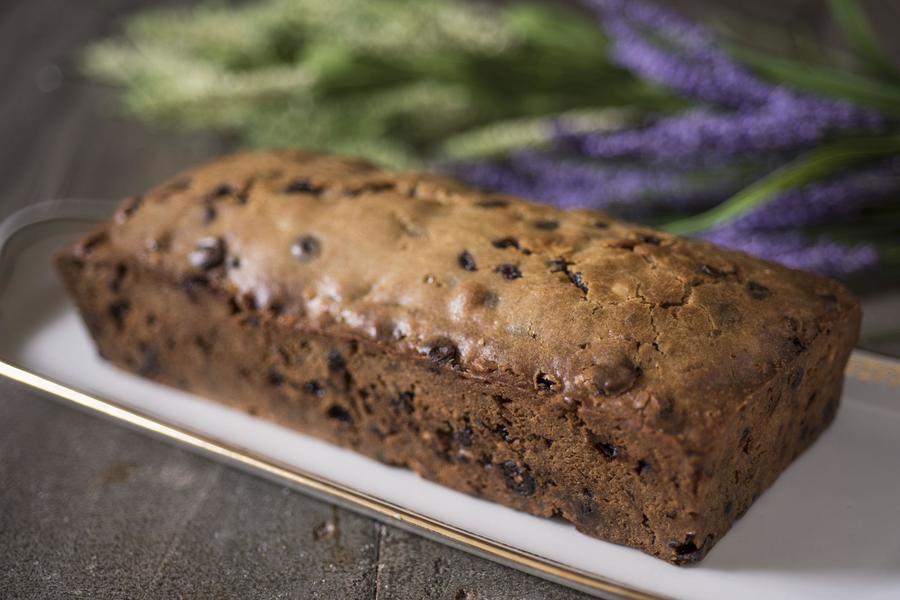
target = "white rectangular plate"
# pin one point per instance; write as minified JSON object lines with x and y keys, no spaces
{"x":828,"y":528}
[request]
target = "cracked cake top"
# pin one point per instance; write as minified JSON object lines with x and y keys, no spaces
{"x":574,"y":305}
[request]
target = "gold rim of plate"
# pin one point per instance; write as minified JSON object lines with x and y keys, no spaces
{"x":862,"y":365}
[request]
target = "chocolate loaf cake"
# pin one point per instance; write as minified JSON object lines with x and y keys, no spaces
{"x":643,"y":387}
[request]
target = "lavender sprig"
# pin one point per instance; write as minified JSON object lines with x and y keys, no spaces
{"x":767,"y":118}
{"x":819,"y":202}
{"x":572,"y":187}
{"x":793,"y":249}
{"x":702,"y":137}
{"x":628,"y":190}
{"x":691,"y":64}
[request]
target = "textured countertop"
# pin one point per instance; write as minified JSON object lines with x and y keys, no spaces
{"x":91,"y":509}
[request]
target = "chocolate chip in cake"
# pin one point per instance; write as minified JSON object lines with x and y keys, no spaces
{"x":757,"y":291}
{"x":203,"y":344}
{"x":545,"y":383}
{"x":509,"y":271}
{"x":650,"y":239}
{"x":222,"y":190}
{"x":503,"y":432}
{"x":117,"y":311}
{"x":601,"y":224}
{"x":443,"y":352}
{"x":643,"y":467}
{"x":336,"y":362}
{"x":209,"y":214}
{"x":506,"y":242}
{"x":404,"y":402}
{"x":314,"y":388}
{"x":306,"y":248}
{"x":728,"y":507}
{"x":302,"y":186}
{"x":464,"y":437}
{"x":467,"y":261}
{"x":339,"y":413}
{"x":578,"y":280}
{"x":208,"y":253}
{"x":518,"y":478}
{"x":711,"y":271}
{"x":275,"y":309}
{"x":492,"y":203}
{"x":275,"y":378}
{"x":606,"y":448}
{"x":115,"y":283}
{"x":547,"y":224}
{"x":686,"y":550}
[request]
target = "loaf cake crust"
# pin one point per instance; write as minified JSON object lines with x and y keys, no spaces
{"x":643,"y":387}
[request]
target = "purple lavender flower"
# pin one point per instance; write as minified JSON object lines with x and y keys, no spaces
{"x":707,"y":138}
{"x":690,"y":63}
{"x":819,"y":202}
{"x":495,"y":177}
{"x":767,"y":118}
{"x":583,"y":185}
{"x":793,"y":249}
{"x":627,"y":190}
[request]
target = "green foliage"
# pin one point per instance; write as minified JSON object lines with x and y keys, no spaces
{"x":392,"y":80}
{"x":854,"y":23}
{"x":813,"y":166}
{"x":825,"y":80}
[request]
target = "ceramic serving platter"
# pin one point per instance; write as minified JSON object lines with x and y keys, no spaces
{"x":828,"y":528}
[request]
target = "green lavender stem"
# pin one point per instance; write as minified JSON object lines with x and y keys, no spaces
{"x":857,"y":30}
{"x":814,"y":165}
